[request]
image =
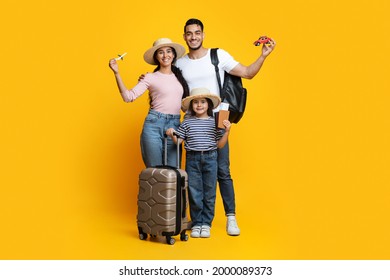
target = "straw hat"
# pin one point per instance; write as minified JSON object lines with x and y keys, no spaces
{"x":200,"y":93}
{"x":163,"y":42}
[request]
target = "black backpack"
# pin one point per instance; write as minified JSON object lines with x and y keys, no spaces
{"x":232,"y":91}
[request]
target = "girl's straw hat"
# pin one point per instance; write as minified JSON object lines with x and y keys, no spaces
{"x":163,"y":42}
{"x":200,"y":93}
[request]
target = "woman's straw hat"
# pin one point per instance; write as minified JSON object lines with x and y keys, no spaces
{"x":163,"y":42}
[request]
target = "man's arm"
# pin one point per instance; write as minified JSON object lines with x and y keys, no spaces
{"x":248,"y":72}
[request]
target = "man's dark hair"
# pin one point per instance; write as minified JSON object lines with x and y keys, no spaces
{"x":193,"y":21}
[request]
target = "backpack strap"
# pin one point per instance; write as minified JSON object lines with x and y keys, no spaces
{"x":215,"y":61}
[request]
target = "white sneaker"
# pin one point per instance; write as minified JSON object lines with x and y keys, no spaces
{"x":231,"y":226}
{"x":195,"y":232}
{"x":205,"y":232}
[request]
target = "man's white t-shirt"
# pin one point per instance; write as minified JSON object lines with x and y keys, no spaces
{"x":201,"y":72}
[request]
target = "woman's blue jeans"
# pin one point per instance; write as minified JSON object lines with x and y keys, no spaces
{"x":202,"y":169}
{"x":152,"y":139}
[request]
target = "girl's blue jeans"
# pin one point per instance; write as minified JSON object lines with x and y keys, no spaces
{"x":202,"y":170}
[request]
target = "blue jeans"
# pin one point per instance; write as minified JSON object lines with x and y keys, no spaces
{"x":225,"y":181}
{"x":152,"y":139}
{"x":201,"y":168}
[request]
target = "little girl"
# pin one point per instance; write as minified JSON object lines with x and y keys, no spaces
{"x":202,"y":139}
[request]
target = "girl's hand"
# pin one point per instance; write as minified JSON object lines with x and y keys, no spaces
{"x":170,"y":132}
{"x":227,"y":124}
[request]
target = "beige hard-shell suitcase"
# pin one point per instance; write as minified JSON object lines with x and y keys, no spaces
{"x":163,"y":202}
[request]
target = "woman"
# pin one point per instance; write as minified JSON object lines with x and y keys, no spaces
{"x":166,"y":87}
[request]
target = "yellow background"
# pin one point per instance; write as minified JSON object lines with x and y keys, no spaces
{"x":310,"y":159}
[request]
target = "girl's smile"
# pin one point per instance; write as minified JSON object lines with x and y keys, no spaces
{"x":200,"y":107}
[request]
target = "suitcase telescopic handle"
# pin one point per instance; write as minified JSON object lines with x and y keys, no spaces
{"x":166,"y":150}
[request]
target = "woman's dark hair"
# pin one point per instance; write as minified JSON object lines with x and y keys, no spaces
{"x":176,"y":71}
{"x":209,"y":109}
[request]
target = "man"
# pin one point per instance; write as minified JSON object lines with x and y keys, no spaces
{"x":198,"y":71}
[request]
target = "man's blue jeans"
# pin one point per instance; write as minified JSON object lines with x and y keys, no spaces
{"x":225,"y":181}
{"x":201,"y":168}
{"x":152,"y":139}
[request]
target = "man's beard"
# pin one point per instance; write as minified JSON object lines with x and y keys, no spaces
{"x":196,"y":48}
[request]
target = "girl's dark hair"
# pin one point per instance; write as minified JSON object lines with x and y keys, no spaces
{"x":209,"y":109}
{"x":176,"y":71}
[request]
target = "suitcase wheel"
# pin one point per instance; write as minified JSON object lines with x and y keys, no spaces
{"x":170,"y":240}
{"x":184,"y":236}
{"x":143,"y":236}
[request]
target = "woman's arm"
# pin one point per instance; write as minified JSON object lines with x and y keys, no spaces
{"x":127,"y":95}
